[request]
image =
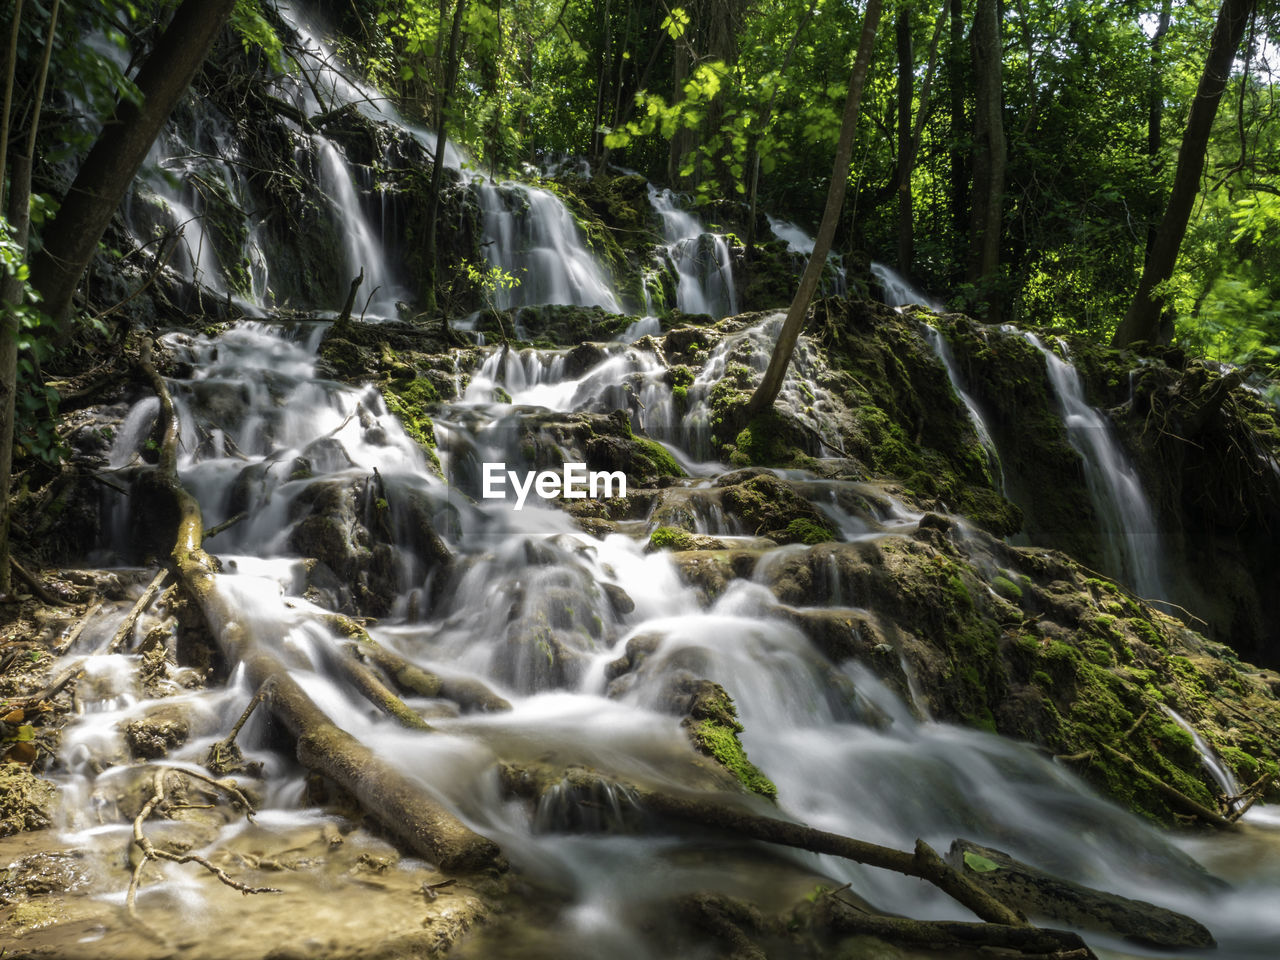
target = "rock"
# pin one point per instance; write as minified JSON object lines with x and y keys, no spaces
{"x":154,"y":735}
{"x":619,"y":599}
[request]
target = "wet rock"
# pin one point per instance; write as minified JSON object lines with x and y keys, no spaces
{"x":156,"y":734}
{"x":582,"y":358}
{"x":619,"y":600}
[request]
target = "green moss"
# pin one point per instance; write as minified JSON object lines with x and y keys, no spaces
{"x":1006,"y":588}
{"x":804,"y":530}
{"x":670,"y":538}
{"x":660,"y":460}
{"x":720,"y":740}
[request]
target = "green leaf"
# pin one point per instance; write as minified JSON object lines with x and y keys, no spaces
{"x":978,"y":863}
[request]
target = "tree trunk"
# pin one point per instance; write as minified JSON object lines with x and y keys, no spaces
{"x":437,"y":170}
{"x":1155,"y":110}
{"x":12,"y":290}
{"x":767,"y":392}
{"x":906,"y":92}
{"x":1142,"y":320}
{"x":106,"y":173}
{"x":989,"y":151}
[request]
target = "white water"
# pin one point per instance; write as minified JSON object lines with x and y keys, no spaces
{"x":1130,"y":537}
{"x":844,"y":751}
{"x":531,"y":236}
{"x":700,"y":260}
{"x":898,"y":291}
{"x":835,"y":281}
{"x":942,"y":349}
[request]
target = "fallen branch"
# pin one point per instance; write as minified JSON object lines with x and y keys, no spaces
{"x":713,"y":813}
{"x":955,"y":935}
{"x":38,"y":589}
{"x":1174,"y":795}
{"x":375,"y":691}
{"x":151,"y":852}
{"x":468,"y":694}
{"x":224,"y":525}
{"x":125,"y":630}
{"x":66,"y":643}
{"x":398,"y":802}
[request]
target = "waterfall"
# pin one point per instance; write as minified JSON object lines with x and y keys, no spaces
{"x":1130,"y":538}
{"x":530,"y":235}
{"x":700,"y":260}
{"x":898,"y":292}
{"x":942,"y":350}
{"x":835,"y":278}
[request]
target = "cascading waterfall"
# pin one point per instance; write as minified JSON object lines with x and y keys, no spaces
{"x":898,"y":291}
{"x":700,"y":260}
{"x":835,"y":281}
{"x":1131,"y":540}
{"x":530,"y":235}
{"x":263,"y":434}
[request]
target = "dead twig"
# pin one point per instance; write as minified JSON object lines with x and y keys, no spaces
{"x":151,"y":852}
{"x":125,"y":630}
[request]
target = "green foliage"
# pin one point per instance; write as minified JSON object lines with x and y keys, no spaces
{"x":670,"y":538}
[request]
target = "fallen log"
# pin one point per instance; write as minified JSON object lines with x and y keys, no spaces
{"x":714,"y":813}
{"x":401,"y":805}
{"x":470,"y":695}
{"x":1036,"y":892}
{"x":955,"y":935}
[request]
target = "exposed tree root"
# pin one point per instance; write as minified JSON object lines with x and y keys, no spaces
{"x":400,"y":804}
{"x":151,"y":852}
{"x":716,"y":814}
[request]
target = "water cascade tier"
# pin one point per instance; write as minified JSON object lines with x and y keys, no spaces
{"x":578,"y":667}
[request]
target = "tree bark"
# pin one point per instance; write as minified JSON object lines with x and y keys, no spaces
{"x":12,"y":290}
{"x":771,"y":384}
{"x":106,"y":173}
{"x":1142,"y":320}
{"x":1155,"y":109}
{"x":450,"y":80}
{"x":989,"y":151}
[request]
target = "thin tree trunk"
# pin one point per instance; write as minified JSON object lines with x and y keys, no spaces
{"x":1155,"y":110}
{"x":1142,"y":320}
{"x":437,"y":169}
{"x":989,"y":152}
{"x":106,"y":173}
{"x":12,"y":290}
{"x":771,"y":384}
{"x":10,"y":69}
{"x":906,"y":93}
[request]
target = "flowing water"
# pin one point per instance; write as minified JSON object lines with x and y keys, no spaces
{"x":1130,"y":537}
{"x":700,"y":260}
{"x":264,"y":434}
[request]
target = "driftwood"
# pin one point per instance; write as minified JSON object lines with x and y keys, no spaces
{"x":716,"y":814}
{"x":69,"y":640}
{"x":400,"y":804}
{"x":1042,"y":894}
{"x":368,"y":685}
{"x":38,"y":589}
